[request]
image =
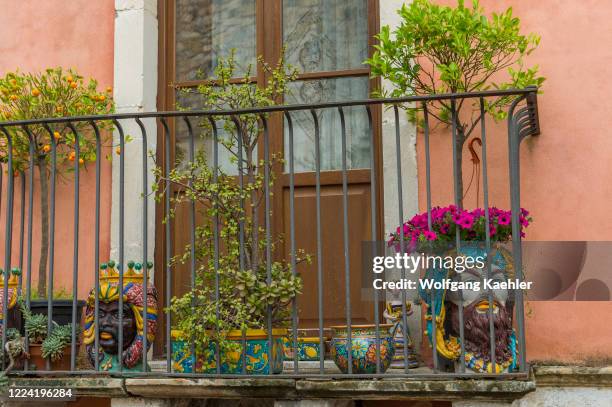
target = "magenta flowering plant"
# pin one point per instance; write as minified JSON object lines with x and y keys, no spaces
{"x":445,"y":221}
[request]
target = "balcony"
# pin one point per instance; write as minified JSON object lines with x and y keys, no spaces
{"x":175,"y":182}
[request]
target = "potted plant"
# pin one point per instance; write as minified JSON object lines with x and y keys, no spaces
{"x":252,"y":286}
{"x":443,"y":49}
{"x":54,"y":345}
{"x":479,"y":305}
{"x":53,"y":93}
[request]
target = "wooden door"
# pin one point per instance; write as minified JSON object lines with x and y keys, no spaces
{"x":327,"y":41}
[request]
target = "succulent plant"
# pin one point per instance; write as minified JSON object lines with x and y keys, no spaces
{"x":53,"y":347}
{"x":36,"y":327}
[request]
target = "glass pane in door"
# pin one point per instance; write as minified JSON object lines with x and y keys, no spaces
{"x":209,"y":29}
{"x":330,"y":130}
{"x":325,"y":35}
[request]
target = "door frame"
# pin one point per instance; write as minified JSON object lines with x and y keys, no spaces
{"x":269,"y":43}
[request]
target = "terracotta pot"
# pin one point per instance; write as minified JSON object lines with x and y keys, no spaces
{"x":39,"y":363}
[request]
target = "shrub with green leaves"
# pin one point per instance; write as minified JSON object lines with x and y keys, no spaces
{"x":442,"y":49}
{"x":246,"y":297}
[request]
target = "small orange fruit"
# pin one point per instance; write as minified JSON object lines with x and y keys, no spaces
{"x":71,"y":156}
{"x":57,"y":135}
{"x":69,"y":78}
{"x":109,"y":89}
{"x":14,"y":97}
{"x":118,"y":150}
{"x":101,"y":98}
{"x":73,"y":85}
{"x":81,"y":161}
{"x":35,"y":92}
{"x":46,"y":148}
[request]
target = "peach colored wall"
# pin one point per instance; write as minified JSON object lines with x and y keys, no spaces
{"x":565,"y":172}
{"x":37,"y":34}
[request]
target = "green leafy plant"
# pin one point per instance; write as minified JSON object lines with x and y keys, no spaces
{"x":53,"y":93}
{"x":441,"y":49}
{"x":246,"y":295}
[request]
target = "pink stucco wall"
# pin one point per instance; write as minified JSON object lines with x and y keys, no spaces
{"x":565,"y":172}
{"x":38,"y":34}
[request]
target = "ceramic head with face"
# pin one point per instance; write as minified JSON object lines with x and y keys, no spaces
{"x":132,"y":324}
{"x":476,"y":317}
{"x":109,"y":326}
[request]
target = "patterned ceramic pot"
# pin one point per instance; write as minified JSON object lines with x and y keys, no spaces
{"x":309,"y":349}
{"x":260,"y":359}
{"x":363,"y":348}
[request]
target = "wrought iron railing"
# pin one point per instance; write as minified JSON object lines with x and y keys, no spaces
{"x":522,"y":121}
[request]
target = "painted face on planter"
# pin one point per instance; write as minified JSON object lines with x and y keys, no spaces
{"x":476,"y":313}
{"x":109,"y":326}
{"x":479,"y":297}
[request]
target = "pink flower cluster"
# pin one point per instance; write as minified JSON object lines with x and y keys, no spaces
{"x":446,"y":221}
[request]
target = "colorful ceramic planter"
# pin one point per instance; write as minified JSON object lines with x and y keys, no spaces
{"x":260,"y":359}
{"x":309,"y":349}
{"x":362,"y":348}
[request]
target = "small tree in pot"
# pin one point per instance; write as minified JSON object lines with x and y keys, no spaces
{"x":246,"y":296}
{"x":53,"y":93}
{"x":441,"y":49}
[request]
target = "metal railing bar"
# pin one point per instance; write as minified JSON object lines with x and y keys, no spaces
{"x":513,"y":159}
{"x":75,"y":255}
{"x":213,"y":126}
{"x":279,"y":108}
{"x":97,"y":249}
{"x":266,"y":134}
{"x":456,"y":172}
{"x":168,"y":288}
{"x":192,"y":220}
{"x":345,"y":229}
{"x":51,"y":228}
{"x":121,"y":265}
{"x":485,"y":187}
{"x":434,"y":321}
{"x":400,"y":197}
{"x":292,"y":237}
{"x":241,"y":232}
{"x":145,"y":241}
{"x":440,"y":376}
{"x":317,"y":143}
{"x":373,"y":227}
{"x":21,"y":228}
{"x":29,"y":252}
{"x":7,"y":242}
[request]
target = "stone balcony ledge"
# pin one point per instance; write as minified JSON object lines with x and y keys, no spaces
{"x":413,"y":388}
{"x":287,"y":388}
